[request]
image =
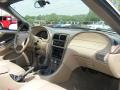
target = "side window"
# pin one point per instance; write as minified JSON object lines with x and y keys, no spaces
{"x":4,"y":18}
{"x":7,"y":21}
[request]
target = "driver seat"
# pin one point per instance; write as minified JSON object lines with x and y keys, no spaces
{"x":13,"y":68}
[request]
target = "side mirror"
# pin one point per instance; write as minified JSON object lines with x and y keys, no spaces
{"x":40,"y":3}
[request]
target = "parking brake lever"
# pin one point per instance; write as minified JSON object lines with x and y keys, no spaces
{"x":28,"y":71}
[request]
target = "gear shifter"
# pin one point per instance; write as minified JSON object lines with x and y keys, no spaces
{"x":21,"y":77}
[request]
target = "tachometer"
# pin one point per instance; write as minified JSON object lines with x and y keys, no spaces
{"x":42,"y":34}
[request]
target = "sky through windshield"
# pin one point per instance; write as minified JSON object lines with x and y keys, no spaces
{"x":60,"y":7}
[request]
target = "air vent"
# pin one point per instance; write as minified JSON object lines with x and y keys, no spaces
{"x":63,"y":37}
{"x":56,"y":36}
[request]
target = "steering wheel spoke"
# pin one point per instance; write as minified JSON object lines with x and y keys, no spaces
{"x":21,"y":41}
{"x":22,"y":44}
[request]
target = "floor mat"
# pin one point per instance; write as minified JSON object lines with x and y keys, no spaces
{"x":90,"y":80}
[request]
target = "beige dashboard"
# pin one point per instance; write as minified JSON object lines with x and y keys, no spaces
{"x":83,"y":51}
{"x":92,"y":50}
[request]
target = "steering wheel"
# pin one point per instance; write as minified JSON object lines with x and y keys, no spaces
{"x":21,"y":41}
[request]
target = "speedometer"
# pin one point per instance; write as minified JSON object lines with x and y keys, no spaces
{"x":42,"y":34}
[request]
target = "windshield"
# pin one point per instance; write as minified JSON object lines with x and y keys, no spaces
{"x":62,"y":14}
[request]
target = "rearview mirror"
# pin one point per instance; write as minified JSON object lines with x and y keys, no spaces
{"x":40,"y":3}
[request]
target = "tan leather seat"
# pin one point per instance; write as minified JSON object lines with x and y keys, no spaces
{"x":13,"y":68}
{"x":6,"y":82}
{"x":39,"y":84}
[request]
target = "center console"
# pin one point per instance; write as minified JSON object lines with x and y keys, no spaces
{"x":58,"y":47}
{"x":57,"y":50}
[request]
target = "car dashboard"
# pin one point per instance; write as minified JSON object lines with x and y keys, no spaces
{"x":68,"y":49}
